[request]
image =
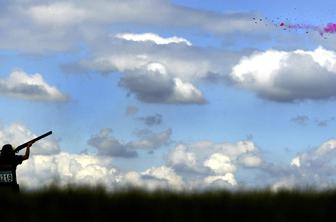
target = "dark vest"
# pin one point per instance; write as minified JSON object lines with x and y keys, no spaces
{"x":8,"y":169}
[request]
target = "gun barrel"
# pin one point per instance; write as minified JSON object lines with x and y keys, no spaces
{"x":22,"y":146}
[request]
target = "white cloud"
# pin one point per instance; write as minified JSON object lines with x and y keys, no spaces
{"x":165,"y":173}
{"x":313,"y":168}
{"x":205,"y":164}
{"x":106,"y":144}
{"x":38,"y":26}
{"x":58,"y":13}
{"x":185,"y":92}
{"x":157,"y":68}
{"x":296,"y":162}
{"x":326,"y":148}
{"x":17,"y":134}
{"x":250,"y":161}
{"x":288,"y":76}
{"x":232,"y":150}
{"x":220,"y":164}
{"x":185,"y":63}
{"x":199,"y":165}
{"x":149,"y":140}
{"x":152,"y":37}
{"x":30,"y":87}
{"x":65,"y":168}
{"x":221,"y":181}
{"x":82,"y":169}
{"x":284,"y":184}
{"x":160,"y":73}
{"x":212,"y":165}
{"x":316,"y":156}
{"x":181,"y":157}
{"x":152,"y":84}
{"x":154,"y":178}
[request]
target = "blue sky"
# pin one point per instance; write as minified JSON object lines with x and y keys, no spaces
{"x":187,"y":93}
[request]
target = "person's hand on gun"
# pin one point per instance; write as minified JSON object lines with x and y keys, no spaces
{"x":26,"y":156}
{"x":29,"y":144}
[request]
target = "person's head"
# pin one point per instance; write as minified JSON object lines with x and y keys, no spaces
{"x":7,"y":150}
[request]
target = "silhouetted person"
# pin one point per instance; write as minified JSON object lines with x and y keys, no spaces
{"x":8,"y":164}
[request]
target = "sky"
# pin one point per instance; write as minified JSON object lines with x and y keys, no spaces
{"x":172,"y":94}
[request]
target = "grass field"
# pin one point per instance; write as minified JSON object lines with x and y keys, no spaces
{"x":88,"y":204}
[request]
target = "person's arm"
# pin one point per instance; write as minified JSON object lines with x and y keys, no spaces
{"x":26,"y":156}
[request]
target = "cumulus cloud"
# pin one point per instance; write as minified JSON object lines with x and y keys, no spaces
{"x":58,"y":25}
{"x":160,"y":73}
{"x":220,"y":164}
{"x":212,"y":155}
{"x":165,"y":173}
{"x":325,"y":151}
{"x":17,"y":134}
{"x":312,"y":168}
{"x":174,"y":61}
{"x":107,"y":145}
{"x":199,"y":165}
{"x":153,"y":76}
{"x":250,"y":161}
{"x":205,"y":164}
{"x":226,"y":181}
{"x":212,"y":165}
{"x":288,"y":76}
{"x":154,"y":85}
{"x":149,"y":140}
{"x":64,"y":169}
{"x":49,"y":165}
{"x":114,"y":12}
{"x":181,"y":158}
{"x":29,"y":87}
{"x":57,"y":13}
{"x":83,"y":169}
{"x":152,"y":37}
{"x":161,"y":177}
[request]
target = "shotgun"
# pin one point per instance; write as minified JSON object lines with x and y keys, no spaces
{"x":22,"y":146}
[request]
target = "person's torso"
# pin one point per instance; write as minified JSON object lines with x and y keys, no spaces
{"x":8,"y":171}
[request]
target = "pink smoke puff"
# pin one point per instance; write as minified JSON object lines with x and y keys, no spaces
{"x":330,"y":28}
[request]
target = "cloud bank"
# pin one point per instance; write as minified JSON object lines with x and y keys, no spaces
{"x":29,"y":87}
{"x":288,"y":76}
{"x":194,"y":166}
{"x":40,"y":27}
{"x":154,"y":73}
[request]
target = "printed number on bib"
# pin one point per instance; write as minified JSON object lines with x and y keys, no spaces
{"x":6,"y":177}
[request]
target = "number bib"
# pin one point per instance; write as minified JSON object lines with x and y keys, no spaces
{"x":6,"y":177}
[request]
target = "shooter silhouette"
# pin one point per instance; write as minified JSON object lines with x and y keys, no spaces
{"x":9,"y":161}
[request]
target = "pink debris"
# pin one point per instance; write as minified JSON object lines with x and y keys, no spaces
{"x":330,"y":28}
{"x":322,"y":30}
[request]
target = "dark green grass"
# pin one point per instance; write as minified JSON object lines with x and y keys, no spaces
{"x":89,"y":204}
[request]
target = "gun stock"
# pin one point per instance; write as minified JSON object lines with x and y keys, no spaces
{"x":22,"y":146}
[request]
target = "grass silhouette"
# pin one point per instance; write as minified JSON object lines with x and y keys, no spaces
{"x":96,"y":204}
